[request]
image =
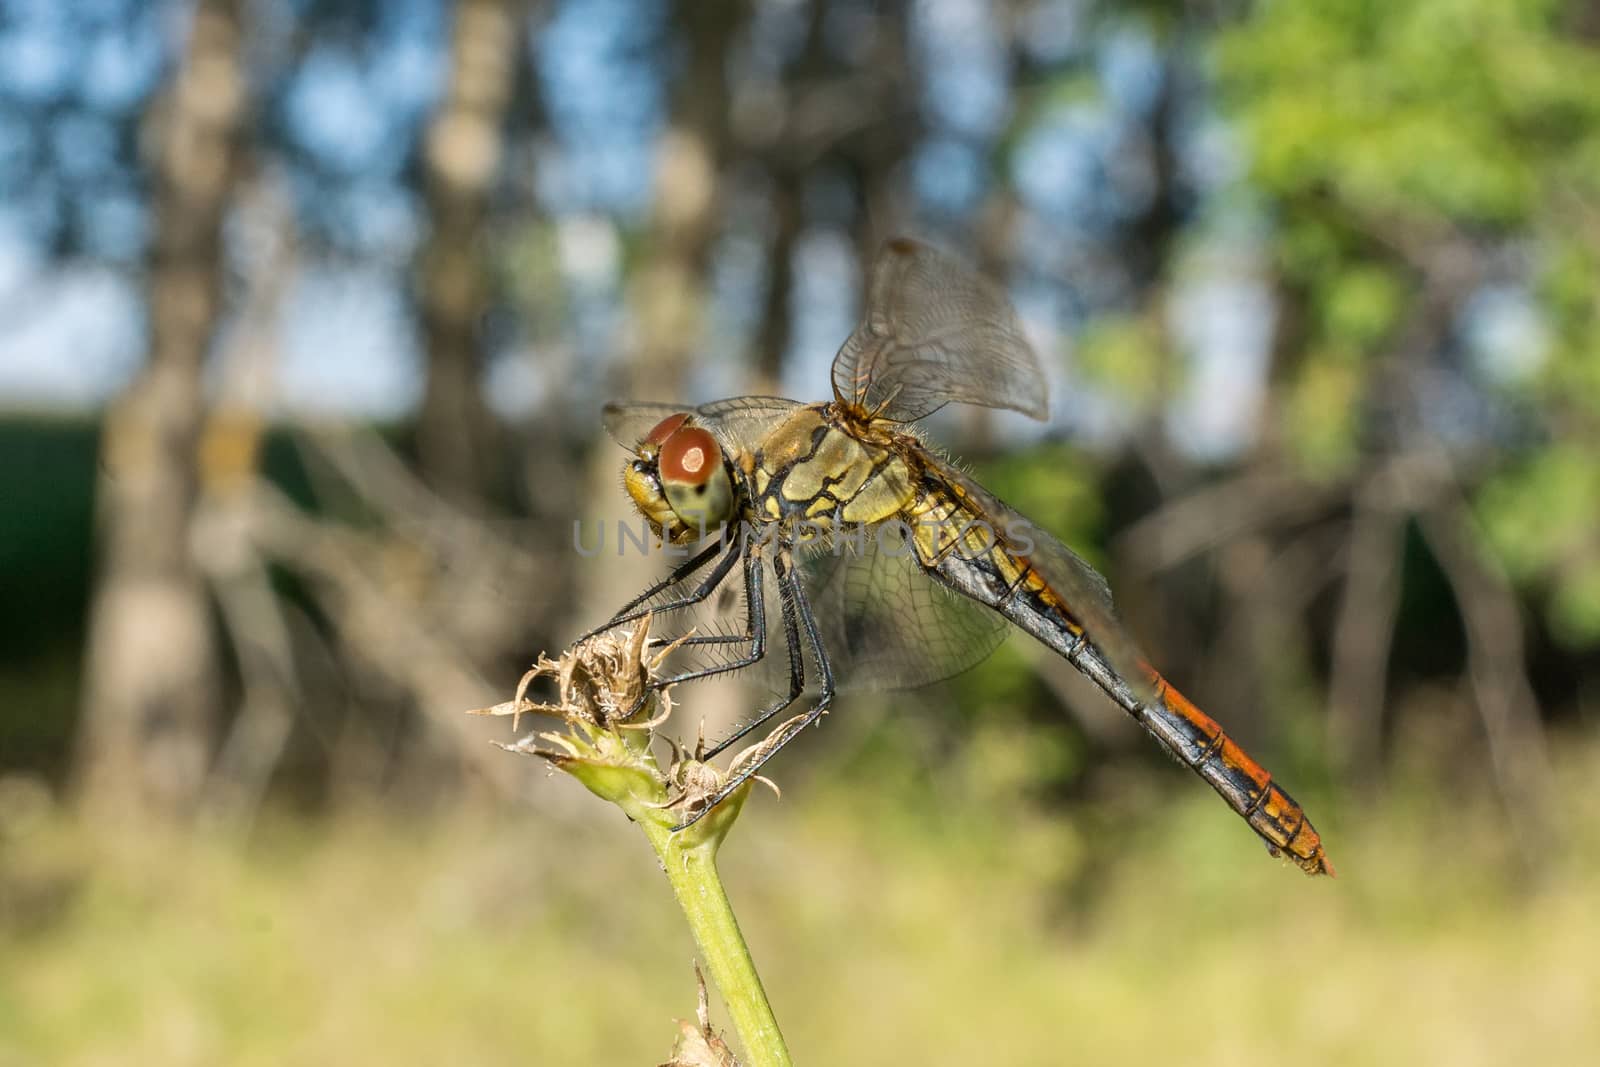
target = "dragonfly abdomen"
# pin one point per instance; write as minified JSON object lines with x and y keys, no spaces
{"x":1004,"y":582}
{"x":1247,"y":786}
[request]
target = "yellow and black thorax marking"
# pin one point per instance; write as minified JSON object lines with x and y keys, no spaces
{"x":820,"y":468}
{"x":810,"y":467}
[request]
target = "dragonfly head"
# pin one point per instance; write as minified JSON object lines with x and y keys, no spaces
{"x":678,"y":479}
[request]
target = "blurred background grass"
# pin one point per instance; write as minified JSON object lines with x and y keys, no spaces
{"x":309,"y":307}
{"x":910,"y":925}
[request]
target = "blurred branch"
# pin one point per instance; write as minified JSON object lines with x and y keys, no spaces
{"x":1198,"y":522}
{"x":419,"y":590}
{"x":1364,"y":628}
{"x":259,"y":632}
{"x":251,"y":612}
{"x":1496,"y":667}
{"x":1264,"y":640}
{"x":486,"y":589}
{"x":348,"y":568}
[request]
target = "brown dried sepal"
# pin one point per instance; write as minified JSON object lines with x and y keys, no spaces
{"x":601,"y":686}
{"x":602,"y":681}
{"x":698,"y":1045}
{"x":696,"y":782}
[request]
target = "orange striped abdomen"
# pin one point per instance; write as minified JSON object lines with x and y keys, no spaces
{"x":1009,"y":584}
{"x":1241,"y":781}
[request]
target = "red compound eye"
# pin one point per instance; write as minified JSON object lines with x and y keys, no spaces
{"x":690,"y":456}
{"x":664,"y":429}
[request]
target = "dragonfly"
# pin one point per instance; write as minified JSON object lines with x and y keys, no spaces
{"x":861,"y":550}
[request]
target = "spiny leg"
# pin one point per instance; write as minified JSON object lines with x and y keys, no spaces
{"x":797,"y":665}
{"x":755,"y":626}
{"x":789,"y":731}
{"x":631,"y":612}
{"x":694,"y":640}
{"x":679,"y":573}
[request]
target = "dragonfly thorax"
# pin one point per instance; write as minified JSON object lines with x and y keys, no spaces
{"x":816,"y":467}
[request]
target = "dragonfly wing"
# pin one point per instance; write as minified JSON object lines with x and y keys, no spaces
{"x":741,"y":422}
{"x":935,"y":332}
{"x":883,"y":622}
{"x":886,"y":625}
{"x":627,"y":423}
{"x":1082,"y":589}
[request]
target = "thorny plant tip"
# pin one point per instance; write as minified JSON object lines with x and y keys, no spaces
{"x":607,"y":699}
{"x":698,"y":1045}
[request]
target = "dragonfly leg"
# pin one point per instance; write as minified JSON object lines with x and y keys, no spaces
{"x":790,"y":730}
{"x":797,"y":665}
{"x":755,"y":628}
{"x":631,"y":611}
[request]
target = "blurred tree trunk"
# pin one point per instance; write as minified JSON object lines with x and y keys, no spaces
{"x":876,"y":154}
{"x":456,"y":440}
{"x":775,"y":333}
{"x":151,"y":683}
{"x":788,"y":161}
{"x":669,"y":296}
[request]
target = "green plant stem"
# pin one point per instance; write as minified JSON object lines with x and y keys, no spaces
{"x":692,"y":872}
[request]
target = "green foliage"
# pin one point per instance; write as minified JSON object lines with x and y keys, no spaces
{"x":1541,"y":519}
{"x":1124,"y":355}
{"x":1394,"y":143}
{"x":1055,"y":487}
{"x":1360,"y":306}
{"x":1323,"y":406}
{"x":1443,"y":108}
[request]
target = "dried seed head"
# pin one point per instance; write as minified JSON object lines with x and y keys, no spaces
{"x":603,"y":688}
{"x":602,"y":682}
{"x":698,"y":1045}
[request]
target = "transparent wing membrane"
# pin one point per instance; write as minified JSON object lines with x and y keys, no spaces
{"x":740,"y":423}
{"x":887,"y":625}
{"x":935,"y":332}
{"x":1080,"y":587}
{"x":627,"y":423}
{"x":743,"y":421}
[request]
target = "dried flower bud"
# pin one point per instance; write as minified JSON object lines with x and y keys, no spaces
{"x":698,"y":1045}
